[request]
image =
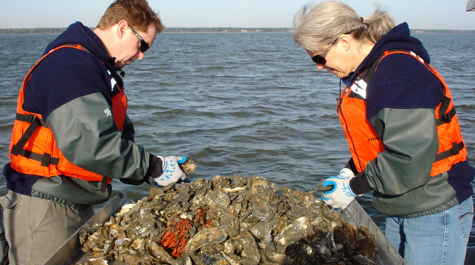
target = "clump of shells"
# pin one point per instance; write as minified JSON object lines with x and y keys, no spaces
{"x":235,"y":220}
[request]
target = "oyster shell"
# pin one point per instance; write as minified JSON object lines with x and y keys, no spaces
{"x":235,"y":220}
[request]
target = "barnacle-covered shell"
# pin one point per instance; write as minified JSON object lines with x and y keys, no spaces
{"x":205,"y":237}
{"x":234,"y":221}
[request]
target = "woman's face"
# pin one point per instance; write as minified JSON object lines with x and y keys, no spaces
{"x":342,"y":58}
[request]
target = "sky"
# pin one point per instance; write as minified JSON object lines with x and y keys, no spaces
{"x":420,"y":14}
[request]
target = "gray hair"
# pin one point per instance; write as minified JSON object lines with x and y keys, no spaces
{"x":321,"y":24}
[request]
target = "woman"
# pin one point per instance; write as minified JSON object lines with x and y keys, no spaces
{"x":403,"y":133}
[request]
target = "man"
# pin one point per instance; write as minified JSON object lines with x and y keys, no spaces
{"x":72,"y":135}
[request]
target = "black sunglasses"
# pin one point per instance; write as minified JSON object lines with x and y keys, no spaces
{"x":143,"y":45}
{"x":320,"y":59}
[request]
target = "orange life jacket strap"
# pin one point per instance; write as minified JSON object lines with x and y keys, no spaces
{"x":445,"y":117}
{"x":34,"y":123}
{"x":45,"y":158}
{"x":18,"y":149}
{"x":456,"y":147}
{"x":29,"y":118}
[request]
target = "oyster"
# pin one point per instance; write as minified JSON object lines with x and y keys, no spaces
{"x":204,"y":237}
{"x":236,"y":220}
{"x":188,"y":167}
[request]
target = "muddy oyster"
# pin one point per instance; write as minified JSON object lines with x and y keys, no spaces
{"x":235,"y":220}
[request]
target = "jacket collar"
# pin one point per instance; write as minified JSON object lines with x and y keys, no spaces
{"x":397,"y":38}
{"x":77,"y":33}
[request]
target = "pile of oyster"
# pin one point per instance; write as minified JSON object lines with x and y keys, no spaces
{"x":227,"y":220}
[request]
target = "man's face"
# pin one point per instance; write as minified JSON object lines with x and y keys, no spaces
{"x":130,"y":45}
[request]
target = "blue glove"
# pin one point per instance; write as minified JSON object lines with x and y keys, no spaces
{"x":341,"y":195}
{"x":172,"y":172}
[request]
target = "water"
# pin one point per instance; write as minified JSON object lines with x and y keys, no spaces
{"x":240,"y":103}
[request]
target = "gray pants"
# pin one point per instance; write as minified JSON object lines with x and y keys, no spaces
{"x":35,"y":228}
{"x":3,"y":241}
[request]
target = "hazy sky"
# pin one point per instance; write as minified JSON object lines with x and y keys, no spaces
{"x":420,"y":14}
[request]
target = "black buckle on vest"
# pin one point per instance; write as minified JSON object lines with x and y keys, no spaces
{"x":456,"y":147}
{"x":447,"y":118}
{"x":31,"y":118}
{"x":46,"y":160}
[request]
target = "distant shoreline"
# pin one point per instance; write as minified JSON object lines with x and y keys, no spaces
{"x":167,"y":30}
{"x":210,"y":30}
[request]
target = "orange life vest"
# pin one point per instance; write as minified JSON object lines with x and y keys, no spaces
{"x":33,"y":148}
{"x":365,"y":144}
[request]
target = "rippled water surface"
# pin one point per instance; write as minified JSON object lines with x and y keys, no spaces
{"x":240,"y":103}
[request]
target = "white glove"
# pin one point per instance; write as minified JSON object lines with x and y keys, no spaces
{"x":172,"y":172}
{"x":341,"y":195}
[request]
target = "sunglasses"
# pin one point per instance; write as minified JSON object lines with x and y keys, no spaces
{"x":143,"y":45}
{"x":320,"y":59}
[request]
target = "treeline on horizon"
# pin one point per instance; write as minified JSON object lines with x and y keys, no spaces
{"x":206,"y":30}
{"x":167,"y":30}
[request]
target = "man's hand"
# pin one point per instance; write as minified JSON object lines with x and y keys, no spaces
{"x":341,"y":195}
{"x":172,"y":172}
